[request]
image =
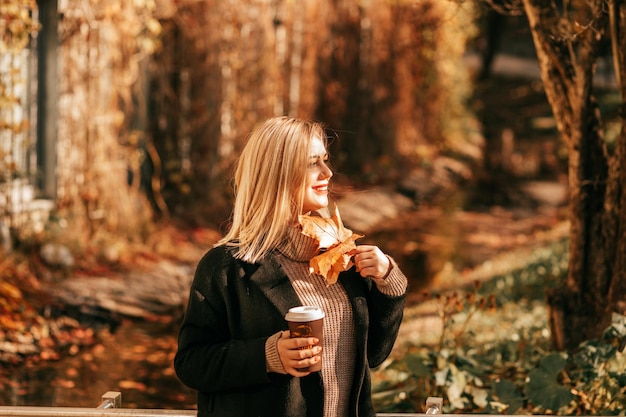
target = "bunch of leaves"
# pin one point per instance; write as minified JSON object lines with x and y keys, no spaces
{"x":598,"y":372}
{"x":588,"y":382}
{"x":503,"y":364}
{"x":335,"y":242}
{"x":16,"y":24}
{"x":16,"y":27}
{"x":99,"y":189}
{"x":29,"y":330}
{"x":444,"y":369}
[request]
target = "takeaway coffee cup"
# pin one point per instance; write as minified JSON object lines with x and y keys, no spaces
{"x":306,"y":321}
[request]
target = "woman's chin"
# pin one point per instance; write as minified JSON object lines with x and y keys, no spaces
{"x":317,"y":207}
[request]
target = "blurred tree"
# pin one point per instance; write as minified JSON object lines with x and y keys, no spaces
{"x":567,"y":39}
{"x":386,"y":76}
{"x":223,"y":67}
{"x":393,"y":83}
{"x":103,"y":46}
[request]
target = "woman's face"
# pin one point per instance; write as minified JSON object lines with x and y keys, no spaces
{"x":317,"y":176}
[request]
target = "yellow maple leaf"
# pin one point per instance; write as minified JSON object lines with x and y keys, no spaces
{"x":327,"y":231}
{"x":338,"y":241}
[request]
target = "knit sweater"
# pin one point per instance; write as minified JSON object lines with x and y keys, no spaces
{"x":339,"y":351}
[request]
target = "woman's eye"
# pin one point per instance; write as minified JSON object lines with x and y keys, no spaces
{"x":317,"y":161}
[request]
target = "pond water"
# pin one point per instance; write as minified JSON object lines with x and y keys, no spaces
{"x":135,"y":360}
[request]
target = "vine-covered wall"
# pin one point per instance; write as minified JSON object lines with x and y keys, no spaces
{"x":17,"y":27}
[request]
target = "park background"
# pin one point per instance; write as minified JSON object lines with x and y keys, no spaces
{"x":487,"y":158}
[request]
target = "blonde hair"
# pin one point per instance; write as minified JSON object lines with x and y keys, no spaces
{"x":269,"y":185}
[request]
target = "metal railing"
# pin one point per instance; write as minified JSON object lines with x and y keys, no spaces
{"x":111,"y":406}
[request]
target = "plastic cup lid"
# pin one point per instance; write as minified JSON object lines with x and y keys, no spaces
{"x":304,"y":313}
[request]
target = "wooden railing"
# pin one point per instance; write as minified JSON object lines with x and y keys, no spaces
{"x":111,"y":406}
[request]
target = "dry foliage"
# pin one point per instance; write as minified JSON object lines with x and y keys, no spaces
{"x":16,"y":28}
{"x":334,"y":240}
{"x":103,"y":47}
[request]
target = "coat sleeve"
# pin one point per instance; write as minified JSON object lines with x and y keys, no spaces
{"x":209,"y":358}
{"x":385,"y":316}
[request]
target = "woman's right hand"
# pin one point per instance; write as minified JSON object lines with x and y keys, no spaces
{"x":298,"y":353}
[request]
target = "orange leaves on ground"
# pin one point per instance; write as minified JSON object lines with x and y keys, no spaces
{"x":128,"y":384}
{"x":11,"y":322}
{"x":336,"y":241}
{"x":9,"y":290}
{"x":63,"y":383}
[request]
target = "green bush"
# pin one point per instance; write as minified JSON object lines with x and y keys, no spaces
{"x":494,"y":355}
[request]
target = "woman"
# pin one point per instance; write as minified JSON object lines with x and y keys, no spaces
{"x":234,"y":346}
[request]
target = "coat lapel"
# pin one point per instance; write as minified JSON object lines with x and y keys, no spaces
{"x":274,"y":283}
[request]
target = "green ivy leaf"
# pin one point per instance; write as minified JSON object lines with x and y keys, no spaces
{"x":507,"y":393}
{"x":419,"y":366}
{"x":591,"y":356}
{"x":543,"y":388}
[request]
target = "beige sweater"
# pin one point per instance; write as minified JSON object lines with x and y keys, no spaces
{"x":339,"y":351}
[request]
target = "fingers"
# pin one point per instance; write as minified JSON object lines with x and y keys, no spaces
{"x":370,"y":261}
{"x":298,"y":353}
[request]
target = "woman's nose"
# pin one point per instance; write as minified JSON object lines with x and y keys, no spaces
{"x":326,"y":171}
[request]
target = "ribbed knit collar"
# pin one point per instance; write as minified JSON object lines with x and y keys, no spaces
{"x":298,"y":246}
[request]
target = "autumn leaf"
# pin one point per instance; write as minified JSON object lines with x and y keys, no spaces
{"x":337,"y":241}
{"x":327,"y":231}
{"x":335,"y":260}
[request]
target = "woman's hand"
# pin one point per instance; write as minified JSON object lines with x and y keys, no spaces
{"x":370,"y":261}
{"x":294,"y":357}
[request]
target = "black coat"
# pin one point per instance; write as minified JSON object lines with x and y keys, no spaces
{"x":235,"y":306}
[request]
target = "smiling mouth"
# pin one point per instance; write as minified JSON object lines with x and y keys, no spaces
{"x":321,"y":188}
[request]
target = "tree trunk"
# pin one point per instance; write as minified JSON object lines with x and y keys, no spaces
{"x":616,"y":190}
{"x":581,"y":309}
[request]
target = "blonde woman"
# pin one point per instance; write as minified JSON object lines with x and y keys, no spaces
{"x":234,"y":347}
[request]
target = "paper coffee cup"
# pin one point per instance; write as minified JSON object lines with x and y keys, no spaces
{"x":306,"y":321}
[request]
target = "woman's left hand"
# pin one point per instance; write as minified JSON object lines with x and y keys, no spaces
{"x":370,"y":261}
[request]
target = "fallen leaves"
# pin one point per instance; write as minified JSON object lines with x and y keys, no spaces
{"x":8,"y":290}
{"x":130,"y":384}
{"x":335,"y":240}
